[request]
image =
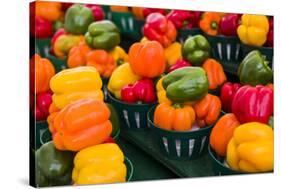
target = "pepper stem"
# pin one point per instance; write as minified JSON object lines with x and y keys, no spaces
{"x":177,"y":105}
{"x":214,"y":25}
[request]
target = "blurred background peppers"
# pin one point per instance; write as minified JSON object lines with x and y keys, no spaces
{"x":42,"y":29}
{"x":228,"y":24}
{"x":227,"y":92}
{"x":184,"y":19}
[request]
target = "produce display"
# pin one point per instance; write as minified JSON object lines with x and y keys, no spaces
{"x":197,"y":84}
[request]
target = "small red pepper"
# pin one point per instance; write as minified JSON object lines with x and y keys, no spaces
{"x":184,"y":19}
{"x":43,"y":28}
{"x":179,"y":64}
{"x":228,"y":24}
{"x":227,"y":93}
{"x":270,"y":38}
{"x":148,"y":11}
{"x":143,"y":90}
{"x":97,"y":11}
{"x":43,"y":102}
{"x":253,"y":104}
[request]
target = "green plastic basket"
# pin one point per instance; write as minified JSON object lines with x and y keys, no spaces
{"x":42,"y":134}
{"x":183,"y":34}
{"x":107,"y":11}
{"x":42,"y":46}
{"x":104,"y":88}
{"x":216,"y":91}
{"x":132,"y":116}
{"x":130,"y":169}
{"x":59,"y":64}
{"x":180,"y":145}
{"x":267,"y":51}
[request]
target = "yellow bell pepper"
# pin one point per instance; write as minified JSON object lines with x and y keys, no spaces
{"x":103,"y":163}
{"x":76,"y":83}
{"x":121,"y":76}
{"x":161,"y":92}
{"x":120,"y":56}
{"x":253,"y":29}
{"x":173,"y":53}
{"x":251,"y":148}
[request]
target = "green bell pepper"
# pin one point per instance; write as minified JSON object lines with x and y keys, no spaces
{"x":77,"y":19}
{"x":186,"y":84}
{"x":102,"y":35}
{"x":254,"y":70}
{"x":196,"y":50}
{"x":115,"y":121}
{"x":53,"y":167}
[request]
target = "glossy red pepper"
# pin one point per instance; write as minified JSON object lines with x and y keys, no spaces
{"x":270,"y":34}
{"x":143,"y":90}
{"x":253,"y":104}
{"x":184,"y":19}
{"x":148,"y":11}
{"x":228,"y":24}
{"x":43,"y":102}
{"x":179,"y":64}
{"x":97,"y":11}
{"x":43,"y":28}
{"x":157,"y":27}
{"x":227,"y":93}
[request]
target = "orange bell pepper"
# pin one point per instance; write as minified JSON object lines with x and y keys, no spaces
{"x":210,"y":23}
{"x":138,"y":12}
{"x":102,"y":61}
{"x":207,"y":110}
{"x":215,"y":73}
{"x":117,"y":8}
{"x":77,"y":55}
{"x":81,"y":124}
{"x":50,"y":11}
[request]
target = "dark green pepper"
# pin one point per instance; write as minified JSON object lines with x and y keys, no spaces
{"x":114,"y":119}
{"x":53,"y":167}
{"x":186,"y":84}
{"x":77,"y":19}
{"x":254,"y":70}
{"x":102,"y":35}
{"x":196,"y":50}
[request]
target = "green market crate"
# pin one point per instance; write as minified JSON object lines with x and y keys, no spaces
{"x":183,"y":34}
{"x":59,"y":64}
{"x":42,"y":134}
{"x":42,"y":46}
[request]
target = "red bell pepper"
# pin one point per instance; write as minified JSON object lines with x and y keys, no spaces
{"x":270,"y":34}
{"x":148,"y":11}
{"x":97,"y":11}
{"x":227,"y":93}
{"x":159,"y":28}
{"x":184,"y":19}
{"x":143,"y":90}
{"x":42,"y":29}
{"x":43,"y":102}
{"x":179,"y":64}
{"x":228,"y":24}
{"x":253,"y":104}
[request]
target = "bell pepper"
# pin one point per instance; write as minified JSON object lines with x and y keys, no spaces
{"x":53,"y":167}
{"x":227,"y":93}
{"x":100,"y":164}
{"x":114,"y":119}
{"x":138,"y":12}
{"x":251,"y":148}
{"x":65,"y":6}
{"x":140,"y":56}
{"x":210,"y":23}
{"x":253,"y":29}
{"x":57,"y":34}
{"x":174,"y":117}
{"x":121,"y":76}
{"x":148,"y":11}
{"x":157,"y":27}
{"x":161,"y":92}
{"x":142,"y":90}
{"x":179,"y":64}
{"x":184,"y":19}
{"x":43,"y":70}
{"x":97,"y":11}
{"x":102,"y":61}
{"x":117,"y":8}
{"x":42,"y":29}
{"x":81,"y":124}
{"x":50,"y":11}
{"x":64,"y":43}
{"x":228,"y":24}
{"x":103,"y":35}
{"x":207,"y":110}
{"x":119,"y":54}
{"x":173,"y":53}
{"x":215,"y":73}
{"x":222,"y":132}
{"x":77,"y":55}
{"x":254,"y":70}
{"x":196,"y":50}
{"x":186,"y":84}
{"x":253,"y":104}
{"x":77,"y":19}
{"x":270,"y":35}
{"x":76,"y":83}
{"x":43,"y":102}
